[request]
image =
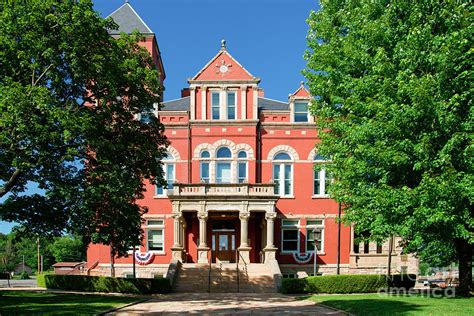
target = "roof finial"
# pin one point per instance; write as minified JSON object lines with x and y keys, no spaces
{"x":126,"y":1}
{"x":302,"y":83}
{"x":223,"y":44}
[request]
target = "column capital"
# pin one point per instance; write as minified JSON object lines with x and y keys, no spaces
{"x":244,"y":215}
{"x":177,"y":216}
{"x":270,"y":216}
{"x":203,"y":216}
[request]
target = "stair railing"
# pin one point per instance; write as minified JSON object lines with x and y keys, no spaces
{"x":210,"y":270}
{"x":239,"y":257}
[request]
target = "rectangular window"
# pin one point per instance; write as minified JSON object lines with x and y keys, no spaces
{"x":288,"y":275}
{"x":317,"y":182}
{"x":154,"y":235}
{"x":223,"y":172}
{"x":231,"y":105}
{"x":328,"y":178}
{"x":169,"y":178}
{"x":205,"y":172}
{"x":215,"y":105}
{"x":379,"y":247}
{"x":311,"y":225}
{"x":301,"y":111}
{"x":242,"y":172}
{"x":276,"y":178}
{"x":290,"y":235}
{"x":288,"y":186}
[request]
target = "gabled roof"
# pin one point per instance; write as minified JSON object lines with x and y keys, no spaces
{"x":301,"y":92}
{"x":235,"y":71}
{"x":181,"y":104}
{"x":269,"y":104}
{"x":128,"y":21}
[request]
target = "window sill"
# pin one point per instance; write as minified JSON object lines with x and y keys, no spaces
{"x":160,"y":196}
{"x":158,"y":253}
{"x":320,"y":197}
{"x":287,"y":197}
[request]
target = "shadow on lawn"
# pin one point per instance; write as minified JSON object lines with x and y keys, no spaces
{"x":57,"y":304}
{"x":371,"y":306}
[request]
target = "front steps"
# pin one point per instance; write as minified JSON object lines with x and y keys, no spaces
{"x":251,"y":278}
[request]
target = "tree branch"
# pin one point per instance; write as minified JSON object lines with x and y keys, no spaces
{"x":11,"y":183}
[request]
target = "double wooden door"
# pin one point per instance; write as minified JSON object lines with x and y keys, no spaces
{"x":223,"y":246}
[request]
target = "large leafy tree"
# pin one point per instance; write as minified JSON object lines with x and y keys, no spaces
{"x":393,"y":81}
{"x":69,"y":98}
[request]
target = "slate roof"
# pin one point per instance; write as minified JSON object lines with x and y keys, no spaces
{"x":269,"y":104}
{"x":182,"y":104}
{"x":128,"y":21}
{"x":176,"y":105}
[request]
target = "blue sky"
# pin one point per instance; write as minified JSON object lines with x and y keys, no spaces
{"x":268,"y":37}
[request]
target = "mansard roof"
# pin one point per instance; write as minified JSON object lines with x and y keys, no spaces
{"x":128,"y":21}
{"x":270,"y":104}
{"x":235,"y":71}
{"x":183,"y":104}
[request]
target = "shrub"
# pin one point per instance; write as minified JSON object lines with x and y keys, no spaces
{"x":106,"y":284}
{"x":355,"y":283}
{"x":40,"y":281}
{"x":293,"y":286}
{"x":4,"y":276}
{"x":24,"y":275}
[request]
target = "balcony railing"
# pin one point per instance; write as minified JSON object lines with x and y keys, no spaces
{"x":214,"y":189}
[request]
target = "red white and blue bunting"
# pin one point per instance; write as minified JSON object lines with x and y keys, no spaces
{"x":302,"y":258}
{"x":144,"y":258}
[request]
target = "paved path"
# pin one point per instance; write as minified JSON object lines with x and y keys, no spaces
{"x":18,"y":283}
{"x":226,"y":304}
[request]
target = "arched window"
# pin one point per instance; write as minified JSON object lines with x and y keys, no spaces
{"x":204,"y":170}
{"x":283,"y":174}
{"x":242,"y":167}
{"x":321,"y":179}
{"x":169,"y":175}
{"x":223,"y":165}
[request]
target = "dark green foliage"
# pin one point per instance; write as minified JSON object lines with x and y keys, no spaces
{"x":405,"y":281}
{"x":393,"y":107}
{"x":24,"y":275}
{"x":351,"y":283}
{"x":293,"y":286}
{"x":104,"y":284}
{"x":69,"y":95}
{"x":4,"y":276}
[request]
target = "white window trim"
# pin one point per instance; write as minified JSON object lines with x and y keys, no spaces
{"x":218,"y":92}
{"x":297,"y":228}
{"x":322,"y":184}
{"x":308,"y":116}
{"x":209,"y":169}
{"x":281,"y":164}
{"x":323,"y":230}
{"x":227,"y":104}
{"x":155,"y":227}
{"x":165,"y":171}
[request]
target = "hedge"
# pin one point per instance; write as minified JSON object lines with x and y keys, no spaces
{"x":103,"y":284}
{"x":355,"y":283}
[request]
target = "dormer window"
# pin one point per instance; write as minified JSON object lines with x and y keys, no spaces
{"x":301,"y":111}
{"x":215,"y":106}
{"x":231,"y":105}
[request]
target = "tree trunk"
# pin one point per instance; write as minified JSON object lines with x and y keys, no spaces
{"x":112,"y":263}
{"x":390,"y":249}
{"x":464,"y":251}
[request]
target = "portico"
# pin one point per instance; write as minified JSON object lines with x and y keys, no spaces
{"x":229,"y":208}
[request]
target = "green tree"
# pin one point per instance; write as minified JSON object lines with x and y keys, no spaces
{"x":393,"y":81}
{"x":67,"y":248}
{"x":70,"y":94}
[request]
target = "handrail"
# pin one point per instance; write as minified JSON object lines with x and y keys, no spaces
{"x":238,"y":256}
{"x":210,"y":270}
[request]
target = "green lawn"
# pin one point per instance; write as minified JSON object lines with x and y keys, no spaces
{"x":27,"y":303}
{"x":375,"y":304}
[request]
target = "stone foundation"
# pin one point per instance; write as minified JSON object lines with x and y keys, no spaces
{"x":122,"y":270}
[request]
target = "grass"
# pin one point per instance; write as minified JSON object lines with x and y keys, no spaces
{"x":383,"y":304}
{"x":42,"y":303}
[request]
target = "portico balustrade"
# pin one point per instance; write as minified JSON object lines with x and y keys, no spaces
{"x":210,"y":189}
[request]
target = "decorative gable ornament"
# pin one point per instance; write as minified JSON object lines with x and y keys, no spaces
{"x":223,"y":67}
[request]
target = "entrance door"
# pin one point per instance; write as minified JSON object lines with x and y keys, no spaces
{"x":223,"y":246}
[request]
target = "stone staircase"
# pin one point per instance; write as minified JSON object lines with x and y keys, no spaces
{"x":250,"y":278}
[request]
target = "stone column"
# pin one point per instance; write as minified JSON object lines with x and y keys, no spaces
{"x":177,"y":248}
{"x":244,"y":248}
{"x":192,"y":102}
{"x":255,"y":102}
{"x":270,"y":248}
{"x":243,"y":101}
{"x":203,"y":249}
{"x":203,"y":102}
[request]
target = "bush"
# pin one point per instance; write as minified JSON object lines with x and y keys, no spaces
{"x":40,"y":281}
{"x":354,"y":283}
{"x":24,"y":275}
{"x":293,"y":286}
{"x":104,"y":284}
{"x":4,"y":276}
